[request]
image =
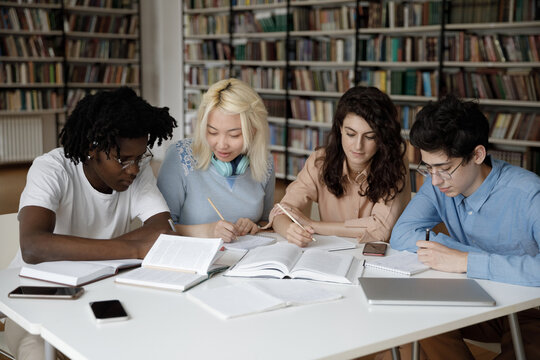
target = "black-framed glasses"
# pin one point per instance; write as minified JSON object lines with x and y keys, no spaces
{"x":141,"y":161}
{"x":426,"y":170}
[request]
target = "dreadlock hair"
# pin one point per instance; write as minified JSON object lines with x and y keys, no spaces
{"x":99,"y":120}
{"x":387,"y":175}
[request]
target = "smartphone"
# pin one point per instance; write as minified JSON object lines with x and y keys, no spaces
{"x":108,"y":310}
{"x":373,"y":249}
{"x":47,"y":292}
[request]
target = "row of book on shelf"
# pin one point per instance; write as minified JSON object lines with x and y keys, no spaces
{"x":510,"y":84}
{"x":372,"y":15}
{"x":17,"y":100}
{"x":28,"y":19}
{"x":104,"y":74}
{"x":459,"y":47}
{"x":107,"y":4}
{"x":35,"y":46}
{"x":415,"y":13}
{"x":103,"y":49}
{"x":103,"y":24}
{"x":494,"y":48}
{"x":31,"y":73}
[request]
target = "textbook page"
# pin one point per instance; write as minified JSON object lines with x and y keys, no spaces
{"x":331,"y":243}
{"x":287,"y":260}
{"x":272,"y":260}
{"x":183,"y":253}
{"x":404,"y":263}
{"x":323,"y":266}
{"x":163,"y":279}
{"x":248,"y":242}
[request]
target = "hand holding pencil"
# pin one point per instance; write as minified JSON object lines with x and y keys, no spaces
{"x":223,"y":229}
{"x":293,"y":234}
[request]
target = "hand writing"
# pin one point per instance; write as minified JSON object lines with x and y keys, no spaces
{"x":440,"y":257}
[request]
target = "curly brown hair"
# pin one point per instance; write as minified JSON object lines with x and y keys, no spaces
{"x":387,"y":173}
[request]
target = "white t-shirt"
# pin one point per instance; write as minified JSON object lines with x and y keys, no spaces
{"x":55,"y":183}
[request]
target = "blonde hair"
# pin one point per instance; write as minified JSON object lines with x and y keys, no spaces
{"x":234,"y":97}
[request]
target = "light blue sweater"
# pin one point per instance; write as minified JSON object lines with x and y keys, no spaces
{"x":186,"y":190}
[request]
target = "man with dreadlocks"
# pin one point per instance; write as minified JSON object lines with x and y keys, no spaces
{"x":80,"y":199}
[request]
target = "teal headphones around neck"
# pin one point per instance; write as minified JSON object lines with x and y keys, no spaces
{"x":226,"y":168}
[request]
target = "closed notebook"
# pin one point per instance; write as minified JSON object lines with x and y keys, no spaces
{"x":422,"y":291}
{"x":241,"y":299}
{"x":76,"y":273}
{"x":404,"y":263}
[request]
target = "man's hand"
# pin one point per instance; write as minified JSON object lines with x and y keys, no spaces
{"x":440,"y":257}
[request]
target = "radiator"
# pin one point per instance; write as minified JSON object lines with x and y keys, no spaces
{"x":21,"y":138}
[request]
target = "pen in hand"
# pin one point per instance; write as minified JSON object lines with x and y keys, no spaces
{"x":171,"y":223}
{"x":427,"y":234}
{"x":293,"y":219}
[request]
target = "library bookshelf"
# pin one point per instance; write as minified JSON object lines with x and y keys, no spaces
{"x":52,"y":53}
{"x":300,"y":56}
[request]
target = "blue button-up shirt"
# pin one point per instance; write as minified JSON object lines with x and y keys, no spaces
{"x":498,"y":225}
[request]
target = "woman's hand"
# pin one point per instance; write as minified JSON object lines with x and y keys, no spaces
{"x":246,"y":226}
{"x":299,"y":236}
{"x":224,"y":230}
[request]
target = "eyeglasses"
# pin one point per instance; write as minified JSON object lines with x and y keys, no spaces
{"x":141,"y":161}
{"x":426,"y":170}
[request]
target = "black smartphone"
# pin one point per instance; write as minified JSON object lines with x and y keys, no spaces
{"x":373,"y":249}
{"x":108,"y":310}
{"x":47,"y":292}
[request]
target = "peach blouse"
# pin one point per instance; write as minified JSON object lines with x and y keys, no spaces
{"x":374,"y":221}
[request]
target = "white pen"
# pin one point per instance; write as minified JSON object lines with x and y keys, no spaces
{"x":293,"y":219}
{"x":171,"y":223}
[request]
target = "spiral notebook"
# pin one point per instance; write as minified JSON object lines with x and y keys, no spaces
{"x":404,"y":263}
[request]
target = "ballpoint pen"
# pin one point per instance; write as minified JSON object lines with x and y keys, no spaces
{"x":171,"y":223}
{"x":363,"y":268}
{"x":427,"y":234}
{"x":293,"y":219}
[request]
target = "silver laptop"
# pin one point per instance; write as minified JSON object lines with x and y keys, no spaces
{"x":421,"y":291}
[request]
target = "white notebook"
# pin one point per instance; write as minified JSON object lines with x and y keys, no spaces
{"x":404,"y":263}
{"x":248,"y":298}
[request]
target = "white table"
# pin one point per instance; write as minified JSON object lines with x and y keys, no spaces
{"x":166,"y":325}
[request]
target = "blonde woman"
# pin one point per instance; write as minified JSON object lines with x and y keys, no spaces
{"x":227,"y":161}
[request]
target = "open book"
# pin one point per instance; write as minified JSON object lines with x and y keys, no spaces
{"x":404,"y":263}
{"x":176,"y":263}
{"x":76,"y":273}
{"x":248,"y":298}
{"x":288,"y":260}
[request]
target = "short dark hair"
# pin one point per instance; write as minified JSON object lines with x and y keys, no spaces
{"x":452,"y":125}
{"x":387,"y":170}
{"x":99,"y":120}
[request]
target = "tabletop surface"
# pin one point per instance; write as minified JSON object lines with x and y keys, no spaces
{"x":166,"y":324}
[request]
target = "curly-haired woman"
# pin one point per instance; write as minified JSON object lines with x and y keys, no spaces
{"x":359,"y":179}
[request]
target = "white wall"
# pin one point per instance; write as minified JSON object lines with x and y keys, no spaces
{"x":162,"y":75}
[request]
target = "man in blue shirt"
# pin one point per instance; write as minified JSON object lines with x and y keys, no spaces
{"x":491,"y":210}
